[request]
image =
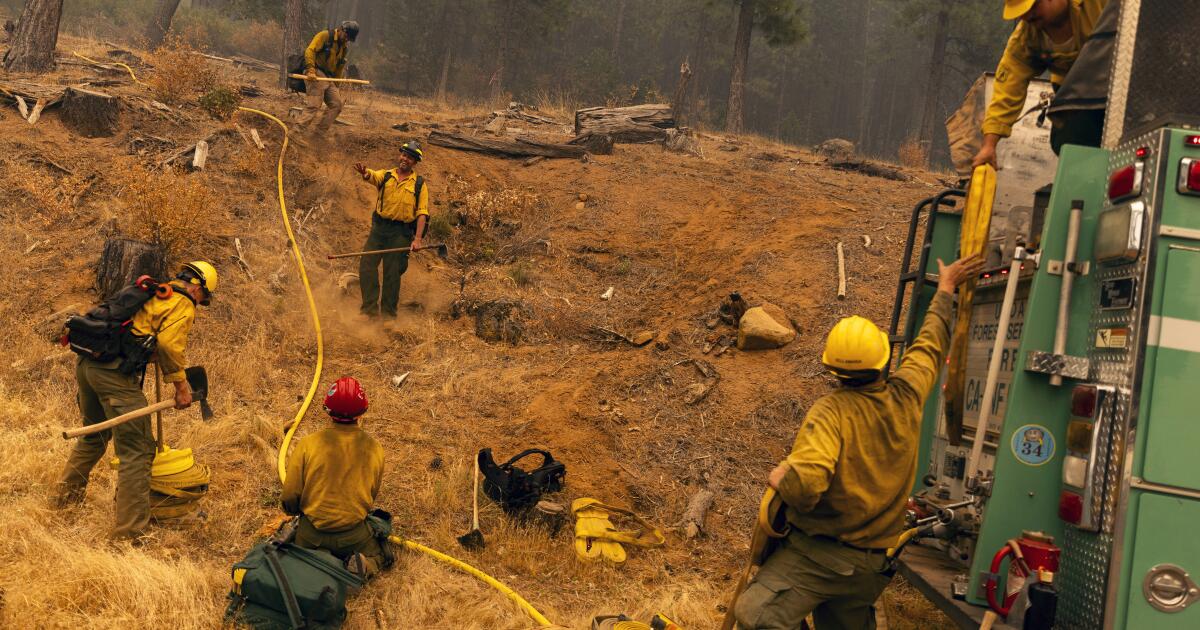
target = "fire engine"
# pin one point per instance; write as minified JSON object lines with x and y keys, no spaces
{"x":1069,"y":462}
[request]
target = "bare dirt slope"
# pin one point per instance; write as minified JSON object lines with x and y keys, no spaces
{"x":672,"y":234}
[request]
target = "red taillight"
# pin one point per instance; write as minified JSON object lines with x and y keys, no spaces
{"x":1191,"y":141}
{"x":1142,"y":152}
{"x":1083,"y":401}
{"x":1125,"y":182}
{"x":1070,"y":507}
{"x":1189,"y":176}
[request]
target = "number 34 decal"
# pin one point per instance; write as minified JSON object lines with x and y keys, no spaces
{"x":1033,"y":445}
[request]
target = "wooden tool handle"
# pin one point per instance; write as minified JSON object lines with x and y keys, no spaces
{"x":121,"y":419}
{"x":393,"y":250}
{"x":330,"y":79}
{"x":475,"y":498}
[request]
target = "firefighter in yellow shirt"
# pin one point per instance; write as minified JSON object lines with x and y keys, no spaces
{"x":1048,"y":36}
{"x":846,"y":482}
{"x":401,"y":210}
{"x":111,"y":388}
{"x":326,"y":57}
{"x":333,"y":478}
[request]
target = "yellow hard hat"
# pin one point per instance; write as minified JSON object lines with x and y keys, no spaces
{"x":201,"y":273}
{"x":856,"y":344}
{"x":1014,"y":9}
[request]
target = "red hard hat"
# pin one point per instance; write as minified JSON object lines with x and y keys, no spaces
{"x":346,"y":400}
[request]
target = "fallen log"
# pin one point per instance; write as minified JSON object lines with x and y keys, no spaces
{"x":521,"y":147}
{"x":90,"y":114}
{"x":841,"y":263}
{"x":639,"y":123}
{"x":871,"y":168}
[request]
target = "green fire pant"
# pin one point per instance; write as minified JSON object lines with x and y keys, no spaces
{"x":385,"y":234}
{"x":835,"y":583}
{"x":104,"y":392}
{"x":343,"y":544}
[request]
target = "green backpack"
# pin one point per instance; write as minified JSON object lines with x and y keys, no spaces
{"x":279,"y":586}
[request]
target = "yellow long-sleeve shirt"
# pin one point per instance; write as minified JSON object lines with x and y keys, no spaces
{"x":397,"y":199}
{"x":1029,"y":53}
{"x":169,"y":320}
{"x":333,"y":61}
{"x":333,"y":477}
{"x":855,"y":457}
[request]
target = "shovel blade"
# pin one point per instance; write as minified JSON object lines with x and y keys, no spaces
{"x":472,"y":540}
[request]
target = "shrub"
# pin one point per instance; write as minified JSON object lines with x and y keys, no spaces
{"x":521,"y":274}
{"x":179,"y":72}
{"x":439,"y":226}
{"x":167,"y":209}
{"x":913,"y":153}
{"x":221,"y":102}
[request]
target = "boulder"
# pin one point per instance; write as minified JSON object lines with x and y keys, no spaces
{"x":778,"y":315}
{"x":758,"y":330}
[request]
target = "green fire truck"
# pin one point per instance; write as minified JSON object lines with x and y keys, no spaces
{"x":1076,"y":458}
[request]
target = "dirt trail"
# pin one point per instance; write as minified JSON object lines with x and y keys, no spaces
{"x":672,"y":234}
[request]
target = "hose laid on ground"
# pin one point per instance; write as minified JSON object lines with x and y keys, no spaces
{"x":112,"y":63}
{"x":312,"y":304}
{"x":283,"y":449}
{"x":483,"y":577}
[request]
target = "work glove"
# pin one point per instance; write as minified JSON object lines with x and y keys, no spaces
{"x":311,"y":74}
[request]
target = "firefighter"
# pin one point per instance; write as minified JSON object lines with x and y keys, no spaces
{"x":332,"y":480}
{"x":845,"y":483}
{"x":110,"y":389}
{"x":1048,"y":36}
{"x":326,"y":57}
{"x":401,"y":211}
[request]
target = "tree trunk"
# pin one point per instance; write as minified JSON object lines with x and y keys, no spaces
{"x":864,"y":103}
{"x":679,"y":103}
{"x":449,"y":26}
{"x":937,"y":66}
{"x":160,"y":22}
{"x":506,"y":21}
{"x":293,"y":17}
{"x":616,"y":42}
{"x":640,"y":123}
{"x":89,"y":113}
{"x":783,"y":82}
{"x":35,"y":37}
{"x":741,"y":56}
{"x":123,"y":261}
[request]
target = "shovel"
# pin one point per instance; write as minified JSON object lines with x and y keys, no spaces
{"x":442,"y":251}
{"x":473,"y":539}
{"x":196,"y":377}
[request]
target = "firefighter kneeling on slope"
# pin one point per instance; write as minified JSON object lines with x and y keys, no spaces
{"x":401,"y":210}
{"x":846,"y":482}
{"x":333,"y":477}
{"x":114,"y":387}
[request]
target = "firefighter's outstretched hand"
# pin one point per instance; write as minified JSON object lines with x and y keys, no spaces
{"x":362,"y":170}
{"x":777,"y":475}
{"x":183,"y":395}
{"x":952,"y":275}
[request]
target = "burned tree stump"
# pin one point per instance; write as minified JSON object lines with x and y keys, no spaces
{"x":640,"y":123}
{"x":90,"y":114}
{"x":596,"y":144}
{"x":124,"y":260}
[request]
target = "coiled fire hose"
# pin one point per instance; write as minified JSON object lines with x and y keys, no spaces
{"x":283,"y":449}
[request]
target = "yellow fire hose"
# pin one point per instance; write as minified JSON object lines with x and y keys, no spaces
{"x":112,"y":63}
{"x":283,"y":449}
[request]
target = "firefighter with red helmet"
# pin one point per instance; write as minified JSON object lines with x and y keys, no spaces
{"x":333,"y":478}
